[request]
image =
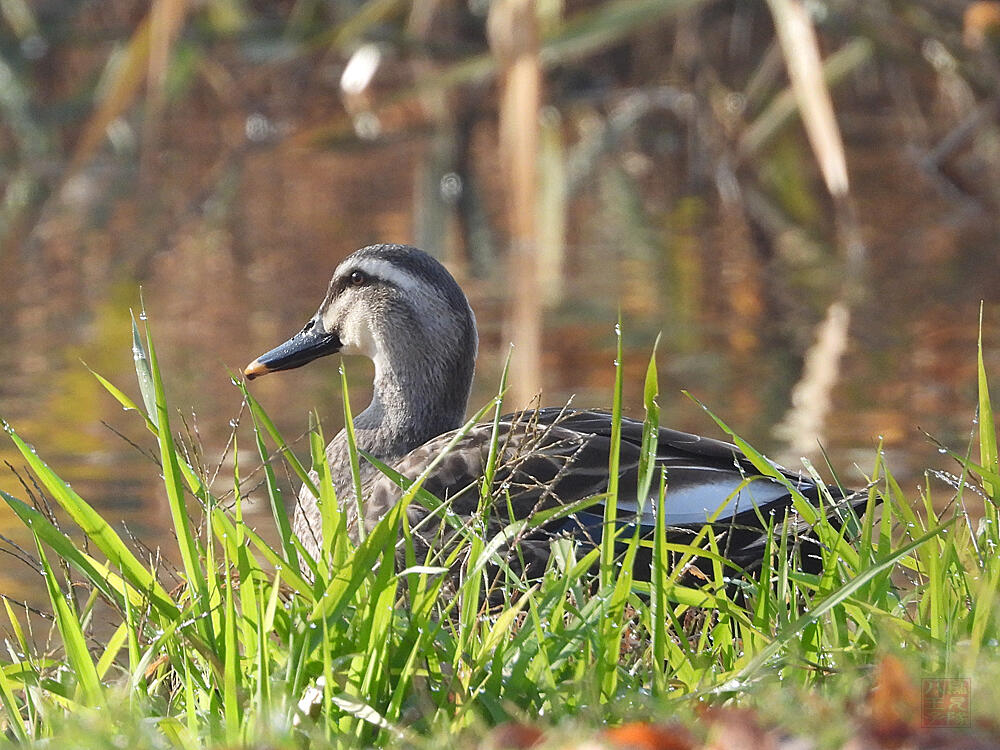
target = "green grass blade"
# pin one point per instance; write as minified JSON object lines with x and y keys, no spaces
{"x":607,"y":571}
{"x":74,"y":641}
{"x":119,"y":396}
{"x":659,"y":581}
{"x":492,"y":457}
{"x":810,"y":513}
{"x":14,"y":719}
{"x":352,"y":453}
{"x":830,"y":601}
{"x":231,"y":671}
{"x":984,"y":612}
{"x":144,"y":375}
{"x":172,"y":479}
{"x":987,"y":427}
{"x":289,"y":574}
{"x":650,"y":430}
{"x":15,"y":626}
{"x":260,"y":417}
{"x":115,"y":644}
{"x":276,"y":499}
{"x":95,"y":528}
{"x":333,"y":523}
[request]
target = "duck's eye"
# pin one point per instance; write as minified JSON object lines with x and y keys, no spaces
{"x":358,"y":278}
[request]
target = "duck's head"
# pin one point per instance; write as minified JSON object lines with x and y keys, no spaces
{"x":396,"y":305}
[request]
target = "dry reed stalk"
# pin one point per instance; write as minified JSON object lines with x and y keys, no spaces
{"x":166,"y":18}
{"x":811,"y":400}
{"x":145,"y":58}
{"x":805,"y":69}
{"x":513,"y":35}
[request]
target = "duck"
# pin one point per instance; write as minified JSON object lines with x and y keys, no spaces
{"x":401,"y":308}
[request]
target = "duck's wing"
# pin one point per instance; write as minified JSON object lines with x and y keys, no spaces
{"x":706,"y":479}
{"x":557,"y":457}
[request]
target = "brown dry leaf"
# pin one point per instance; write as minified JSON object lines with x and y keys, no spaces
{"x":644,"y":736}
{"x":737,"y":729}
{"x":512,"y":736}
{"x":894,"y":703}
{"x":157,"y":663}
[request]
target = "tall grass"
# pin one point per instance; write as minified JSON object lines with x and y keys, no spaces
{"x":372,"y":643}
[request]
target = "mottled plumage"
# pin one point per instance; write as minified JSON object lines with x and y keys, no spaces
{"x":400,"y":307}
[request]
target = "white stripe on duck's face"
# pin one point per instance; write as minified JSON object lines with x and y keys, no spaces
{"x":384,"y":270}
{"x":353,"y":311}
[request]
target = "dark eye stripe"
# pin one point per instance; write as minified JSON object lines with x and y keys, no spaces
{"x":356,"y":278}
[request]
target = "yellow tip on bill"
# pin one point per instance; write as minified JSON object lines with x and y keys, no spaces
{"x":255,"y":369}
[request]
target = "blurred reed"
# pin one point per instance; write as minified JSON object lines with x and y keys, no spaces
{"x":512,"y":29}
{"x":811,"y":397}
{"x":681,"y":104}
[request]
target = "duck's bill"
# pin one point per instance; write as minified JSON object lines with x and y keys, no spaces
{"x":302,"y":348}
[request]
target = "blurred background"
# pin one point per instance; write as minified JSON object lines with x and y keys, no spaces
{"x":802,"y":199}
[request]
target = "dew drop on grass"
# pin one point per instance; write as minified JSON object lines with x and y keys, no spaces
{"x":942,"y":450}
{"x":232,"y":422}
{"x":234,"y":381}
{"x":142,"y":315}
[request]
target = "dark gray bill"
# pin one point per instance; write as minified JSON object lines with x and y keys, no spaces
{"x":305,"y":346}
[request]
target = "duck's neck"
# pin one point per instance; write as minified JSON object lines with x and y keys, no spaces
{"x":412,"y":405}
